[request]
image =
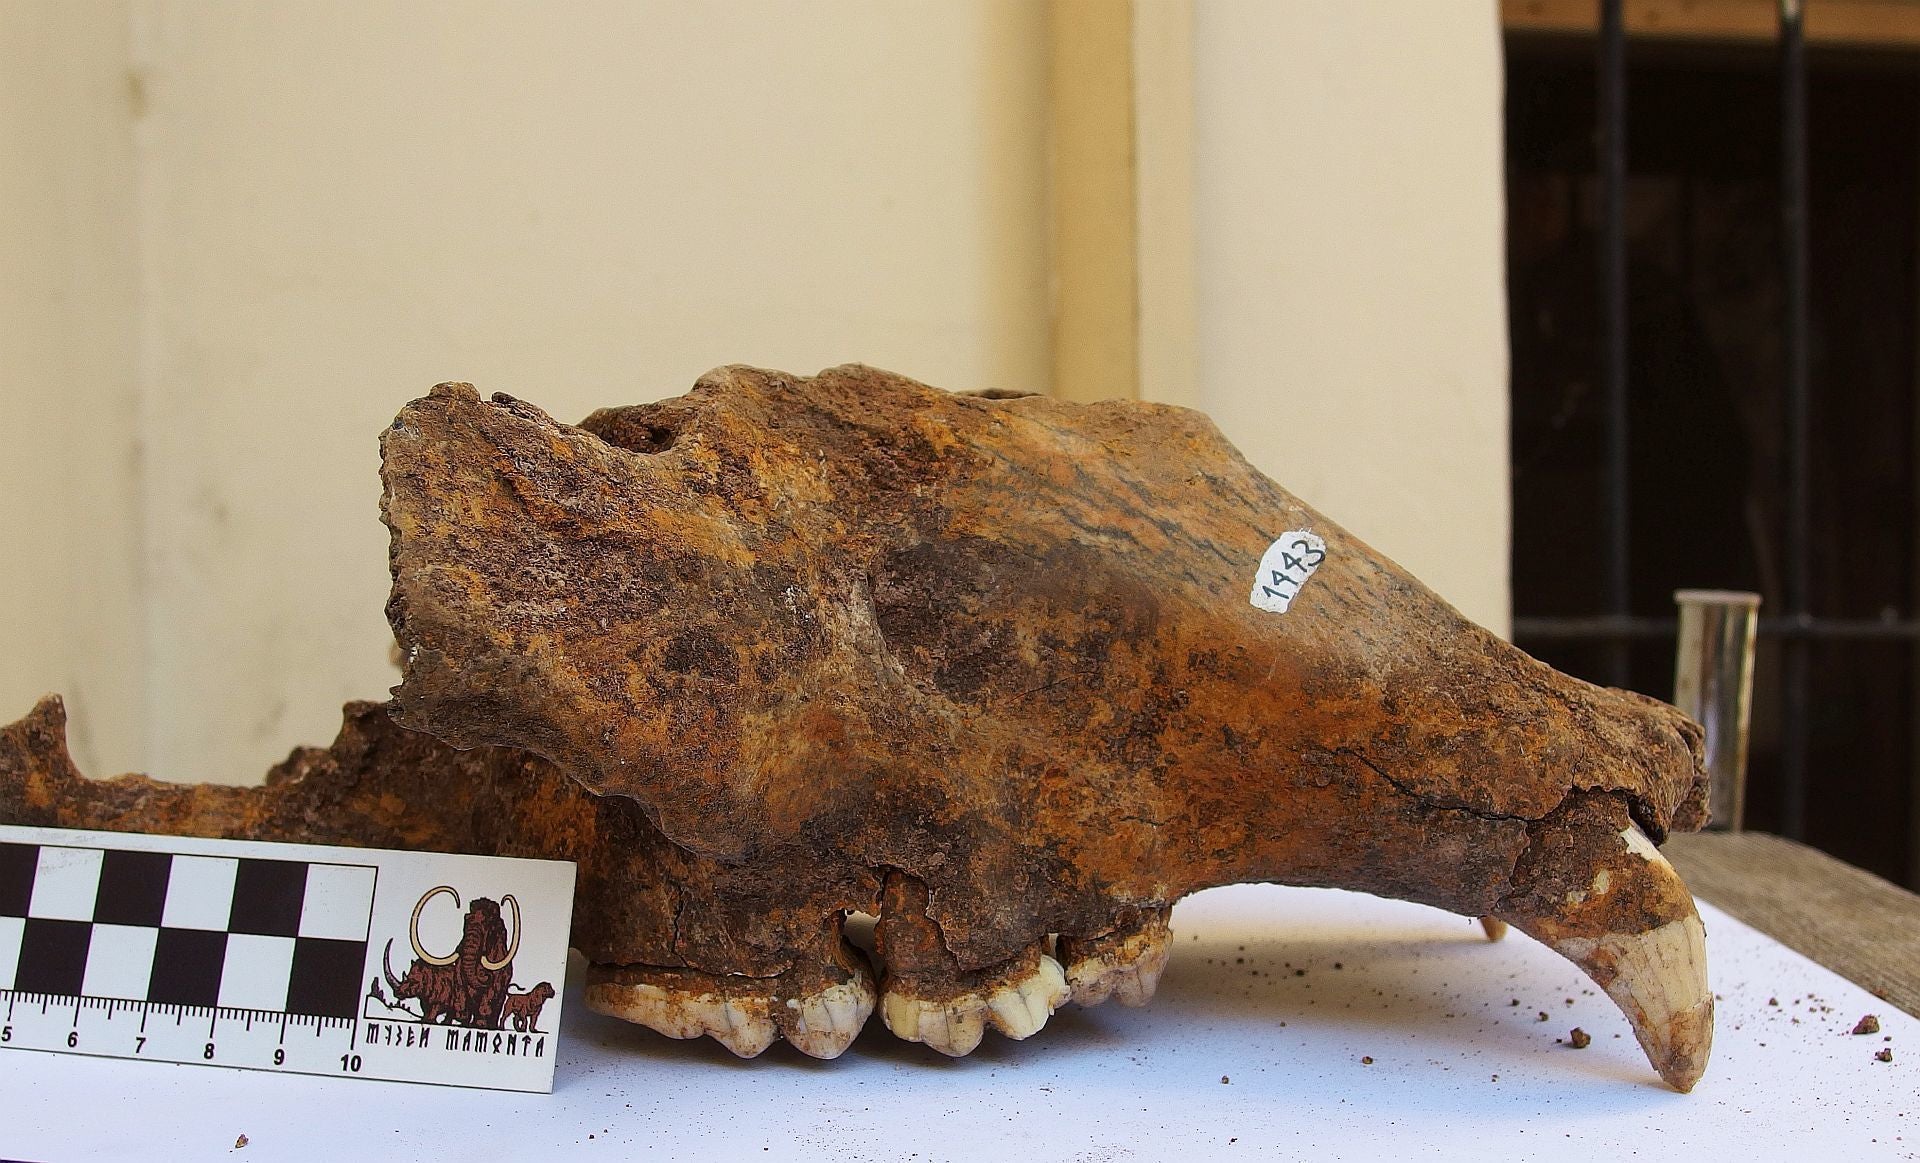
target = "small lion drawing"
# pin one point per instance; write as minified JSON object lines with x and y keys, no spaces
{"x":523,"y":1009}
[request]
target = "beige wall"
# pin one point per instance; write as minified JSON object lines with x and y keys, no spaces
{"x":581,"y":204}
{"x":238,"y":235}
{"x":69,"y":529}
{"x":1350,"y":280}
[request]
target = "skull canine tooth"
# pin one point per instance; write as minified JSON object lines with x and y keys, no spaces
{"x":1659,"y":981}
{"x":1640,"y":939}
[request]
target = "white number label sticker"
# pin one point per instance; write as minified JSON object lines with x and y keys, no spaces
{"x":1285,"y":567}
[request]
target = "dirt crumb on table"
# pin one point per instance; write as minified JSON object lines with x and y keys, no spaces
{"x":1868,"y":1024}
{"x":1885,"y":1055}
{"x":239,"y":1142}
{"x":1579,"y":1039}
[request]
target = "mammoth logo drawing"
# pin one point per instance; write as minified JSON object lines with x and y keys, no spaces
{"x":471,"y":986}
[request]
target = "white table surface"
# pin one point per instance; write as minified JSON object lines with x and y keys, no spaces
{"x":1240,"y":1056}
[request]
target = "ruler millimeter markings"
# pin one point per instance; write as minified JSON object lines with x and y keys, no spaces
{"x":283,"y":957}
{"x":164,"y":1032}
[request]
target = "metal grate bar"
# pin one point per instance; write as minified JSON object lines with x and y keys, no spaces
{"x":1790,"y":629}
{"x":1611,"y":139}
{"x":1793,"y":240}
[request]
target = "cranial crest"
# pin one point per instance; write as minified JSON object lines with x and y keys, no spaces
{"x":1013,"y":675}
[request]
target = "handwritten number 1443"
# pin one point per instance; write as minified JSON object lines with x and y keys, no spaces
{"x":1298,"y":559}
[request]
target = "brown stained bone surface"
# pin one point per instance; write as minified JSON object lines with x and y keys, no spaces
{"x":988,"y":667}
{"x":984,"y":667}
{"x":378,"y":786}
{"x":381,"y":786}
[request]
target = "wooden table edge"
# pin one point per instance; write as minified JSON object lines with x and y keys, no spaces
{"x":1862,"y":927}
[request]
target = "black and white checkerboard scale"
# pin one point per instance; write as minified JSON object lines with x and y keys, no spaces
{"x":148,"y":954}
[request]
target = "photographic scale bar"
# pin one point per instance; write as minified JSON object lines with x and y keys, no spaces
{"x":302,"y":959}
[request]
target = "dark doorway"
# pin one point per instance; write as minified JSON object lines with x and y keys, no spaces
{"x":1707,"y":414}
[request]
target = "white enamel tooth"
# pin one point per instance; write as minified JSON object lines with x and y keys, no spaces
{"x":827,"y":1022}
{"x":810,"y":1016}
{"x":1658,"y":978}
{"x":901,"y":1015}
{"x":1137,"y":987}
{"x":1012,"y":1014}
{"x":1659,"y":981}
{"x":1128,"y":971}
{"x":1017,"y":1007}
{"x":745,"y":1029}
{"x":1640,"y":846}
{"x":1038,"y":1009}
{"x":1020,"y":1008}
{"x":1094,"y":979}
{"x":645,"y":1005}
{"x":1091,"y":990}
{"x":954,"y":1029}
{"x":966,"y":1025}
{"x":1118,"y":983}
{"x":847,"y":1007}
{"x":1046,"y":991}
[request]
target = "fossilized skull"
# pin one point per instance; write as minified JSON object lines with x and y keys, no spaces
{"x":997,"y":670}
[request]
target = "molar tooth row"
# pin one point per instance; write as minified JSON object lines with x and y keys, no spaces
{"x":746,"y":1015}
{"x":744,"y":1026}
{"x":745,"y":1019}
{"x":1017,"y":1007}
